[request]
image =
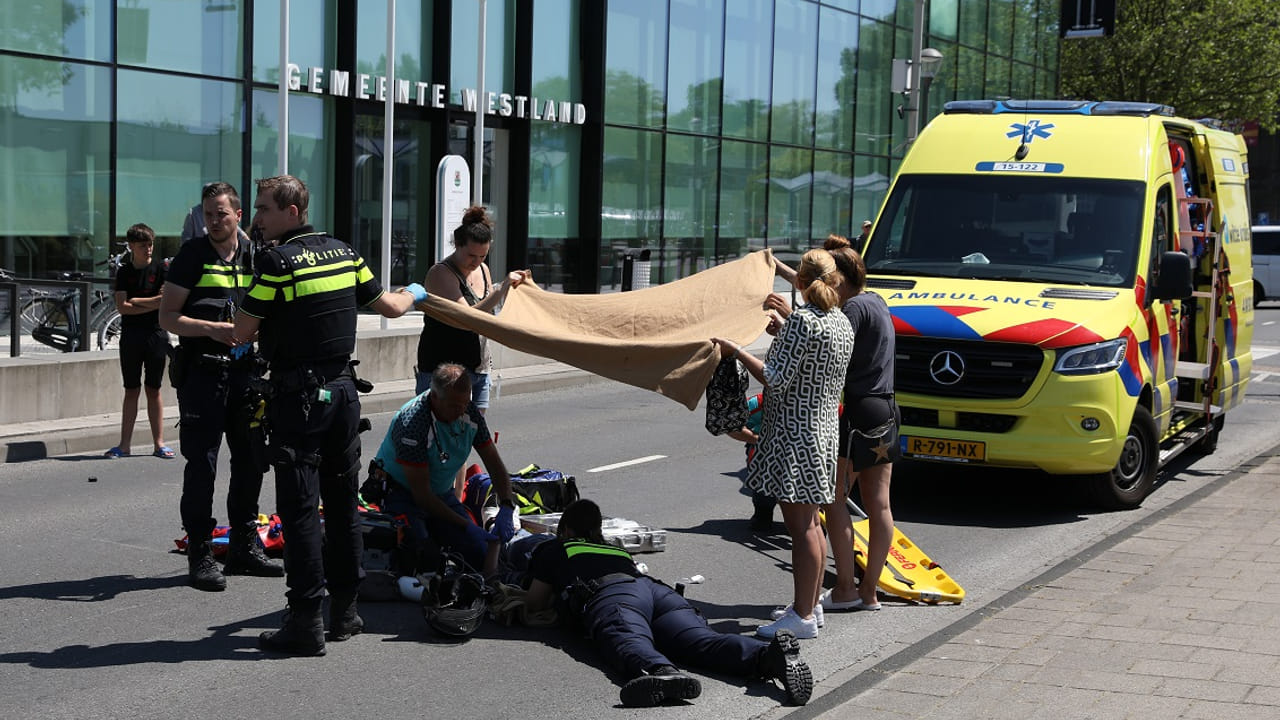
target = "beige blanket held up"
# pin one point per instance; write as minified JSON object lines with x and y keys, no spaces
{"x":657,"y":338}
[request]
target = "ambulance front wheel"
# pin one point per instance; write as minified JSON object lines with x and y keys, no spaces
{"x":1134,"y":475}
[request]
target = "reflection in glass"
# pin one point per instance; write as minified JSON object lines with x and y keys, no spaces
{"x":312,"y":35}
{"x":795,"y":65}
{"x":556,"y":72}
{"x":973,"y":23}
{"x":832,"y":196}
{"x":174,"y":134}
{"x":55,"y":156}
{"x":1000,"y":27}
{"x":77,"y":29}
{"x":837,"y":77}
{"x":870,"y":183}
{"x":790,"y":197}
{"x":555,"y":160}
{"x":198,"y":37}
{"x":744,"y":168}
{"x":748,"y":45}
{"x":944,"y":18}
{"x":875,"y":102}
{"x":499,"y":47}
{"x":630,"y":216}
{"x":880,"y":9}
{"x":635,"y":66}
{"x":693,"y":100}
{"x":998,"y":77}
{"x":689,"y":230}
{"x":310,"y":149}
{"x":410,"y":197}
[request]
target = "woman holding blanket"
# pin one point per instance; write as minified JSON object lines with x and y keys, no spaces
{"x":803,"y":374}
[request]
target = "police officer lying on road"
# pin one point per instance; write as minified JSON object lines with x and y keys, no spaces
{"x":429,"y":440}
{"x":642,"y":625}
{"x":206,"y":282}
{"x":302,"y":307}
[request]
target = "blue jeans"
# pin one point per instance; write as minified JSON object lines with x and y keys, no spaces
{"x":447,"y":535}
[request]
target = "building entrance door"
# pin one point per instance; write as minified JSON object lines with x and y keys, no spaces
{"x":412,"y":183}
{"x":497,"y":162}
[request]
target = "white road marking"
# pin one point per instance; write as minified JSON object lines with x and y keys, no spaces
{"x":1260,"y":351}
{"x":625,"y":463}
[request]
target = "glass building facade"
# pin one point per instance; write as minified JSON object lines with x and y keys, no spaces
{"x":696,"y":129}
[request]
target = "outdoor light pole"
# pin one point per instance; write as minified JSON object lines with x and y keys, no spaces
{"x":930,"y":61}
{"x":920,"y":71}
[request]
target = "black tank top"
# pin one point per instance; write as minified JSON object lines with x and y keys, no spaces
{"x":443,"y":343}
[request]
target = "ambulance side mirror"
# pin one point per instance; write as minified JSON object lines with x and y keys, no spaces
{"x":1174,"y":279}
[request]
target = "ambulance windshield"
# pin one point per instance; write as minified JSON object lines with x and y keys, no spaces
{"x":1026,"y":228}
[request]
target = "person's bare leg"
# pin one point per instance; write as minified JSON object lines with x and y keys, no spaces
{"x":874,"y":484}
{"x":155,"y":415}
{"x":128,"y":416}
{"x":840,"y":535}
{"x":808,"y":554}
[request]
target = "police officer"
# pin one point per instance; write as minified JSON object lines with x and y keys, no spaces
{"x":302,"y":308}
{"x":206,"y":282}
{"x":643,"y":626}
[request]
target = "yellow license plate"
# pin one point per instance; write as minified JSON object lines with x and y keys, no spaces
{"x":939,"y":449}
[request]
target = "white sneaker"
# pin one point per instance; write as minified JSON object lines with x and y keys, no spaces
{"x":817,"y":614}
{"x":805,"y":629}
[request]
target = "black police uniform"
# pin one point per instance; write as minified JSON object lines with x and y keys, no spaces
{"x":306,"y":295}
{"x":636,"y":621}
{"x":214,"y":392}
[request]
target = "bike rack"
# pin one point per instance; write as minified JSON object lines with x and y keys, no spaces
{"x":85,"y":288}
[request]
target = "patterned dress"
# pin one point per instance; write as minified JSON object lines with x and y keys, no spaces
{"x":805,"y":369}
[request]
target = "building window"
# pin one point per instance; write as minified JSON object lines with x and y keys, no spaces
{"x":74,"y":29}
{"x":631,"y":212}
{"x":694,"y":85}
{"x":748,"y":47}
{"x":689,"y":204}
{"x":832,"y":195}
{"x":872,"y":127}
{"x":837,"y":78}
{"x":743,"y":220}
{"x":795,"y":67}
{"x":313,"y":36}
{"x":56,"y":165}
{"x":311,"y":148}
{"x":790,"y":197}
{"x":499,"y":47}
{"x":206,"y":38}
{"x":636,"y":66}
{"x":173,"y":134}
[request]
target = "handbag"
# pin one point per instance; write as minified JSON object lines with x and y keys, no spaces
{"x":727,"y":397}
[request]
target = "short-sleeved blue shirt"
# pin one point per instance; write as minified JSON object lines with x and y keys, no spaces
{"x":417,"y":438}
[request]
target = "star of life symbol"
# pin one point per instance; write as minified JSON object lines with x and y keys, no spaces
{"x":1032,"y":130}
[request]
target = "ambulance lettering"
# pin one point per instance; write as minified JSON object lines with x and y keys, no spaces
{"x":990,"y":299}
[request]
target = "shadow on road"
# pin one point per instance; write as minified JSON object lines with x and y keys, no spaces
{"x":96,"y":589}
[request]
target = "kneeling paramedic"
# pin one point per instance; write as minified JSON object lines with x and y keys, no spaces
{"x":302,"y":307}
{"x":429,"y":440}
{"x":642,"y":625}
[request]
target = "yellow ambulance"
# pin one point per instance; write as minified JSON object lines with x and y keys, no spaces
{"x":1071,"y":288}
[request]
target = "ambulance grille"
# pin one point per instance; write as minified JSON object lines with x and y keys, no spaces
{"x":1078,"y":294}
{"x":965,"y":369}
{"x":970,"y":421}
{"x":890,"y":284}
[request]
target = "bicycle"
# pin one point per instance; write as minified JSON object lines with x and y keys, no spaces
{"x":52,"y":317}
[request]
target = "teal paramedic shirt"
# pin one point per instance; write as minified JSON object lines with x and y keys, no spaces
{"x":417,"y":438}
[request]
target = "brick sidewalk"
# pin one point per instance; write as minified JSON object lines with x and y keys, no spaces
{"x":1178,"y":617}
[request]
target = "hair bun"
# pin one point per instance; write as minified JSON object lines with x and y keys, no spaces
{"x":475,"y":214}
{"x":836,"y":242}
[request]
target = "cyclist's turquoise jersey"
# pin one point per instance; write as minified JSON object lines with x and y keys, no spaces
{"x":416,"y":437}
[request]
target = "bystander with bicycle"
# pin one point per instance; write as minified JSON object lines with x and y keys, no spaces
{"x":144,"y":345}
{"x":207,"y":281}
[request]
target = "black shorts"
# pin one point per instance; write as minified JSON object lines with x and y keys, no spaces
{"x":869,"y":432}
{"x":143,"y":349}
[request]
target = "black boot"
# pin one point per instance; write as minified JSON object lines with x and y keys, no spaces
{"x":658,"y":685}
{"x":202,"y":569}
{"x":781,"y":661}
{"x":302,"y":634}
{"x":762,"y":518}
{"x":246,"y":556}
{"x":344,"y":621}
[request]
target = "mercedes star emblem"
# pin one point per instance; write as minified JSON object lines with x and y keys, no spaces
{"x":946,"y":368}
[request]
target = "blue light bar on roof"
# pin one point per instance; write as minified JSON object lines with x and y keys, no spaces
{"x":1055,"y":107}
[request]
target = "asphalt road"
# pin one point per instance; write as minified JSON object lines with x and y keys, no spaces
{"x":96,"y":620}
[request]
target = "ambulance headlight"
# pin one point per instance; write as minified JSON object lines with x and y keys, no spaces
{"x":1091,"y":359}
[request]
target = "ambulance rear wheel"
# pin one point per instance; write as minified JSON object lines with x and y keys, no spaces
{"x":1134,"y":475}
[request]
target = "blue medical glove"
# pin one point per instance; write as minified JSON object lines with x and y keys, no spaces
{"x":419,"y":293}
{"x":241,"y":350}
{"x":504,"y":524}
{"x":479,"y":535}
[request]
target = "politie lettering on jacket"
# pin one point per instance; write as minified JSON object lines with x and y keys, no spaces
{"x":996,"y":299}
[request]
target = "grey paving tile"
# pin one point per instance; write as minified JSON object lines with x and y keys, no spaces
{"x":950,"y":668}
{"x":1208,"y":710}
{"x":1177,"y":669}
{"x":1199,"y":690}
{"x":1112,"y":681}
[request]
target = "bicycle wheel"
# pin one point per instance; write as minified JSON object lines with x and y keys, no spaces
{"x":43,"y":310}
{"x":108,"y":329}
